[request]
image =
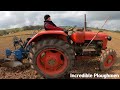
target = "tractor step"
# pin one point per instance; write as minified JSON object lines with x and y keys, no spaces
{"x":85,"y":57}
{"x":90,"y":50}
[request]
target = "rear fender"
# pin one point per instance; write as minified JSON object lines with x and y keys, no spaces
{"x":48,"y":34}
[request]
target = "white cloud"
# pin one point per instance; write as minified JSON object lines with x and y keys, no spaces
{"x":9,"y":19}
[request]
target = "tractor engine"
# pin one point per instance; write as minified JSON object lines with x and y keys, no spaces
{"x":94,"y":48}
{"x":89,"y":43}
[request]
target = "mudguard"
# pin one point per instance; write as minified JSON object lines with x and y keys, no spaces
{"x":50,"y":33}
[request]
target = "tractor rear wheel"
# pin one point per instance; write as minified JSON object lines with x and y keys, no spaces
{"x":53,"y":58}
{"x":107,"y":59}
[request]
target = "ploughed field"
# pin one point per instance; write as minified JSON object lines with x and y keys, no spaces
{"x":82,"y":67}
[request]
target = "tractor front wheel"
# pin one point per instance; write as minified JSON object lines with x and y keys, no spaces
{"x":53,"y":58}
{"x":107,"y":59}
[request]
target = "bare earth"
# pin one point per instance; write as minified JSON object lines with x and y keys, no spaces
{"x":86,"y":66}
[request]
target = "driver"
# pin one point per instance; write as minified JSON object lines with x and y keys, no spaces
{"x":49,"y":25}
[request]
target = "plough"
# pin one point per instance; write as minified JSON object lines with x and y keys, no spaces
{"x":17,"y":57}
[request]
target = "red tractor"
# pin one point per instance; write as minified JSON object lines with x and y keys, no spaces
{"x":53,"y":52}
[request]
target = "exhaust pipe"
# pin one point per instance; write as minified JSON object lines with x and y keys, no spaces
{"x":85,"y":23}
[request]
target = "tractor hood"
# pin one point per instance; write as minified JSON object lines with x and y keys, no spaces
{"x":100,"y":36}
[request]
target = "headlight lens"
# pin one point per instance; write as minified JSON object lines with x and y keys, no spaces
{"x":109,"y":38}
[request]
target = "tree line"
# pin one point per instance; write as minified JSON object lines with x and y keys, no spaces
{"x":24,"y":28}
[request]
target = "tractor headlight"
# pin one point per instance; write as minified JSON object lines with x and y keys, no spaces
{"x":109,"y":38}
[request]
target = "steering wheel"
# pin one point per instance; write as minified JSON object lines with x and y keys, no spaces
{"x":71,"y":29}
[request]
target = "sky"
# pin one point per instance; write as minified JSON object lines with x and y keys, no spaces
{"x":14,"y":19}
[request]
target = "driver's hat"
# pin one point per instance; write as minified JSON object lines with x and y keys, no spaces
{"x":46,"y":17}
